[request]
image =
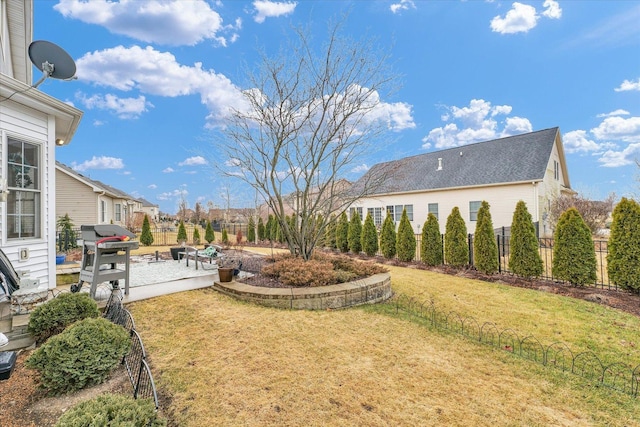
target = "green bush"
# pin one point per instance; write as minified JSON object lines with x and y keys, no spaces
{"x":524,"y":256}
{"x":182,"y":233}
{"x":196,"y":236}
{"x":330,"y":233}
{"x":146,"y":238}
{"x":623,"y":260}
{"x":369,"y":236}
{"x":388,"y":237}
{"x":406,"y":239}
{"x":355,"y":233}
{"x":251,"y":230}
{"x":485,"y":247}
{"x":574,"y":256}
{"x":110,"y":410}
{"x":81,"y":356}
{"x":456,"y":245}
{"x":269,"y":229}
{"x":225,"y":236}
{"x":342,"y":233}
{"x":262,"y":231}
{"x":209,"y":235}
{"x":431,"y":245}
{"x":54,"y":316}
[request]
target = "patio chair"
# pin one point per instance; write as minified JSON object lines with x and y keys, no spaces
{"x":208,"y":254}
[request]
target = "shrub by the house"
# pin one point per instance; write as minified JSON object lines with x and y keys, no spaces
{"x":574,"y":257}
{"x":262,"y":234}
{"x":355,"y":233}
{"x":623,"y":260}
{"x":80,"y":356}
{"x":330,"y":233}
{"x":369,"y":236}
{"x":405,"y":239}
{"x":146,"y":237}
{"x":388,"y":237}
{"x":485,"y":247}
{"x":456,"y":249}
{"x":269,"y":231}
{"x":196,"y":236}
{"x":524,"y":257}
{"x":225,"y":236}
{"x":431,"y":244}
{"x":209,"y":235}
{"x":182,"y":233}
{"x":251,"y":230}
{"x":55,"y":315}
{"x":342,"y":233}
{"x":112,"y":410}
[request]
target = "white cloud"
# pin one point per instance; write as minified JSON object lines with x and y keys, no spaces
{"x":124,"y":108}
{"x":168,"y":195}
{"x":618,"y":128}
{"x":168,"y":170}
{"x":613,"y":159}
{"x":403,"y":5}
{"x":552,"y":9}
{"x":158,"y":73}
{"x":618,"y":112}
{"x":102,"y":162}
{"x":360,"y":168}
{"x":629,"y":85}
{"x":520,"y":19}
{"x":98,"y":123}
{"x":152,"y":186}
{"x":193,"y":161}
{"x":577,"y":141}
{"x":474,"y":123}
{"x":148,"y":20}
{"x":272,"y":9}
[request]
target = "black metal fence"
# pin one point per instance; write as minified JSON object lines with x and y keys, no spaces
{"x":136,"y":360}
{"x":617,"y":375}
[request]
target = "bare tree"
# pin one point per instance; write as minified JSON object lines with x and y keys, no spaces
{"x":594,"y":212}
{"x":183,"y":209}
{"x":309,"y":118}
{"x":198,"y":213}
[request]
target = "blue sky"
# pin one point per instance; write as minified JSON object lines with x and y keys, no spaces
{"x":156,"y":79}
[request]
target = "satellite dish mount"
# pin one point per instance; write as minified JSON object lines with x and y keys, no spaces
{"x":52,"y":60}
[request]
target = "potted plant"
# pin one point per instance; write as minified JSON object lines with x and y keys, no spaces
{"x":181,"y":239}
{"x":229,"y":267}
{"x":209,"y":235}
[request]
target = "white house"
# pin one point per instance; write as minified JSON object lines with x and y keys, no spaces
{"x":529,"y":167}
{"x":32,"y":123}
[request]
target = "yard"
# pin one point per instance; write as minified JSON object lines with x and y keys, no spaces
{"x":221,"y":362}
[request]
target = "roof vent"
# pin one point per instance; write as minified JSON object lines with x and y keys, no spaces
{"x":439,"y":163}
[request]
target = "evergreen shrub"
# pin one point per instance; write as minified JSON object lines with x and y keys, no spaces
{"x":524,"y":256}
{"x":406,"y":239}
{"x":209,"y":234}
{"x":146,"y":237}
{"x":342,"y":233}
{"x":623,"y":260}
{"x":456,"y":246}
{"x":574,"y":256}
{"x":182,"y":233}
{"x":251,"y":230}
{"x":369,"y":236}
{"x":485,"y":247}
{"x":262,"y":231}
{"x":196,"y":236}
{"x":225,"y":236}
{"x":388,"y":237}
{"x":355,"y":233}
{"x":431,"y":244}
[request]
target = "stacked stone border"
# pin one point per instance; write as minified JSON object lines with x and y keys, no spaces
{"x":370,"y":290}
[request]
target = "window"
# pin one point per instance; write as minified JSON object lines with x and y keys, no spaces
{"x":103,"y":211}
{"x":409,"y":209}
{"x":433,"y":209}
{"x":376,"y":214}
{"x":353,"y":210}
{"x":473,"y":210}
{"x":23,"y":182}
{"x":396,"y":211}
{"x":556,"y":170}
{"x":390,"y":211}
{"x":118,"y":213}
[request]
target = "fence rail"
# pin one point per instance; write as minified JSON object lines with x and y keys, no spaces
{"x":617,"y":375}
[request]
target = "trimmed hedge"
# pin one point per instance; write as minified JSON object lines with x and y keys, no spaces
{"x":342,"y":233}
{"x":485,"y":247}
{"x":108,"y":410}
{"x":406,"y":239}
{"x":355,"y":233}
{"x":388,"y":238}
{"x":55,"y":315}
{"x":456,"y":249}
{"x":431,"y":244}
{"x":574,"y":256}
{"x":524,"y":257}
{"x":369,"y":236}
{"x":623,"y":259}
{"x":82,"y":355}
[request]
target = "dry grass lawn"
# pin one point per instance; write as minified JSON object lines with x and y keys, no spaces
{"x":229,"y":363}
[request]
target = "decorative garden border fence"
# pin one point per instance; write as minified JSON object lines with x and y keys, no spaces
{"x":136,"y":360}
{"x":617,"y":376}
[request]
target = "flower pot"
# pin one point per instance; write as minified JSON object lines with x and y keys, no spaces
{"x":60,"y":259}
{"x":225,"y":274}
{"x":175,"y":250}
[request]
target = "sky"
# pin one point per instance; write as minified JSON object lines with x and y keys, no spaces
{"x":156,"y":80}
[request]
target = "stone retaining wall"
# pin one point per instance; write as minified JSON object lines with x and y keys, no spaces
{"x":365,"y":291}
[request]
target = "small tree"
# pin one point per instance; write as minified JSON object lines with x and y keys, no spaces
{"x":225,"y":236}
{"x":182,"y":233}
{"x":485,"y":247}
{"x":355,"y":233}
{"x":406,"y":239}
{"x":196,"y":236}
{"x":330,"y":233}
{"x":342,"y":233}
{"x":146,"y":238}
{"x":262,"y":232}
{"x":623,"y":260}
{"x":524,"y":257}
{"x":209,"y":234}
{"x":456,"y":249}
{"x":251,"y":230}
{"x":369,"y":236}
{"x":594,"y":213}
{"x":574,"y":256}
{"x":431,"y":245}
{"x":388,"y":237}
{"x":67,"y":235}
{"x":270,"y":231}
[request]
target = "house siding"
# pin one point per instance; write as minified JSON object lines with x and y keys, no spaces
{"x":76,"y":199}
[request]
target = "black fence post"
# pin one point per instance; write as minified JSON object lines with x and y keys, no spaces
{"x":499,"y":257}
{"x":470,"y":241}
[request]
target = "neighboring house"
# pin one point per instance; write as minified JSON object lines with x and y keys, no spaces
{"x":32,"y":123}
{"x":529,"y":167}
{"x":89,"y":202}
{"x":149,"y":209}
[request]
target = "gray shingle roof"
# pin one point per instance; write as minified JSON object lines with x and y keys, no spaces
{"x":511,"y":159}
{"x":114,"y":192}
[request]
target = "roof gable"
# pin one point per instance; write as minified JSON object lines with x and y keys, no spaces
{"x":517,"y":158}
{"x":96,"y":186}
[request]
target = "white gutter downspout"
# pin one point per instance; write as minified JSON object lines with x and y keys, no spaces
{"x":536,"y":207}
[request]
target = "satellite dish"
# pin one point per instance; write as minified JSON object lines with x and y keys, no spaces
{"x":52,"y":60}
